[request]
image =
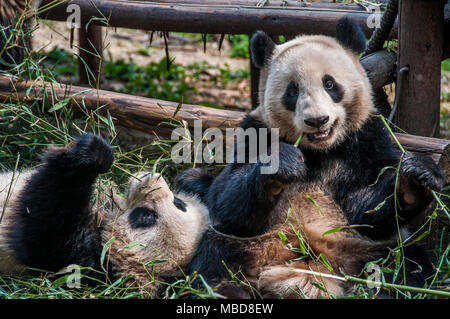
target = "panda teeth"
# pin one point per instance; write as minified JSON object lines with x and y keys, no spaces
{"x":322,"y":134}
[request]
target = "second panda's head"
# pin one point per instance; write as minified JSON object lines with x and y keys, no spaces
{"x":152,"y":225}
{"x":313,"y":85}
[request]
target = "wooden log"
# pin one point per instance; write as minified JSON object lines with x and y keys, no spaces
{"x":269,"y":4}
{"x":147,"y":114}
{"x":420,"y":49}
{"x":226,"y":19}
{"x":137,"y":112}
{"x":380,"y":67}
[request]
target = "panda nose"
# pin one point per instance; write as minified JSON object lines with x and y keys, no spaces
{"x":317,"y":122}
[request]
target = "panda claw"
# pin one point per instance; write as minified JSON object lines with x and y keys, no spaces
{"x":423,"y":171}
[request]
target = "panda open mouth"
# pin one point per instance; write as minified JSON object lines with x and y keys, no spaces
{"x":321,"y":135}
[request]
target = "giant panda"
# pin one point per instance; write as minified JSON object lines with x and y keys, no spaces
{"x":313,"y":86}
{"x":15,"y":41}
{"x":49,"y":222}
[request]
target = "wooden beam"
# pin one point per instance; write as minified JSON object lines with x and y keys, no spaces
{"x":137,"y":112}
{"x":216,"y":19}
{"x":269,"y":4}
{"x":147,"y":114}
{"x":421,"y":50}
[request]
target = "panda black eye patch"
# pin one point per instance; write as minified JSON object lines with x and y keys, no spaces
{"x":179,"y":204}
{"x":142,"y":217}
{"x":290,"y":96}
{"x":333,"y":88}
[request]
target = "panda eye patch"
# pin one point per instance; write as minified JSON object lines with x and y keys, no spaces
{"x":142,"y":217}
{"x":290,"y":96}
{"x":179,"y":204}
{"x":332,"y":88}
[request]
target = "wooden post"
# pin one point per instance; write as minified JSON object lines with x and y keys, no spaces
{"x":90,"y":61}
{"x":420,"y":49}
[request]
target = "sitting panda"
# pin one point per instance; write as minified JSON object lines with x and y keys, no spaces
{"x":313,"y":86}
{"x":48,"y":222}
{"x":10,"y":11}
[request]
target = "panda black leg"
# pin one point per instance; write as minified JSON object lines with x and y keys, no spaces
{"x":55,"y":226}
{"x":241,"y":197}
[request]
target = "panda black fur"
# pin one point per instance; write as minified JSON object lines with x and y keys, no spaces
{"x":313,"y":85}
{"x":10,"y":10}
{"x":49,"y":222}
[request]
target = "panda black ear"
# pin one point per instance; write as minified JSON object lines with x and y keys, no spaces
{"x":261,"y":48}
{"x":350,"y":35}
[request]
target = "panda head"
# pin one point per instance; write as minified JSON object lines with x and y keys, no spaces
{"x":154,"y":224}
{"x":313,"y":85}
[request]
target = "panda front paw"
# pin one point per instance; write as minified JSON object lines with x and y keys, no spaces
{"x":87,"y":152}
{"x":93,"y":151}
{"x":194,"y":181}
{"x":291,"y":166}
{"x":422,"y":170}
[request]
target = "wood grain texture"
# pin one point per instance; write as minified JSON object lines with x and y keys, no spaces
{"x":421,"y":30}
{"x":215,"y":19}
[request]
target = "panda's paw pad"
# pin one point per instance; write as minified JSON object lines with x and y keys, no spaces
{"x":92,"y":151}
{"x":423,"y":171}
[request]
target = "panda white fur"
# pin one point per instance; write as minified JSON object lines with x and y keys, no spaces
{"x":49,"y":222}
{"x":313,"y":85}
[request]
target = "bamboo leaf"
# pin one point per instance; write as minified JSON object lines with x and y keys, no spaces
{"x":325,"y":261}
{"x":331,"y":231}
{"x":105,"y":249}
{"x":283,"y":237}
{"x":133,"y":245}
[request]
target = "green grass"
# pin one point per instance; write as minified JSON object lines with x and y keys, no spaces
{"x":153,"y":80}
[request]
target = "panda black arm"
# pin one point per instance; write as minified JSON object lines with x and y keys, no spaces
{"x":55,"y":226}
{"x":242,"y":197}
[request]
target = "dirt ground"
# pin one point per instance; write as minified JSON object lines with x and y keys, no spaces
{"x":125,"y":44}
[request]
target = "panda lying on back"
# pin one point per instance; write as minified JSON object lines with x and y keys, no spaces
{"x":48,"y":222}
{"x":313,"y":85}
